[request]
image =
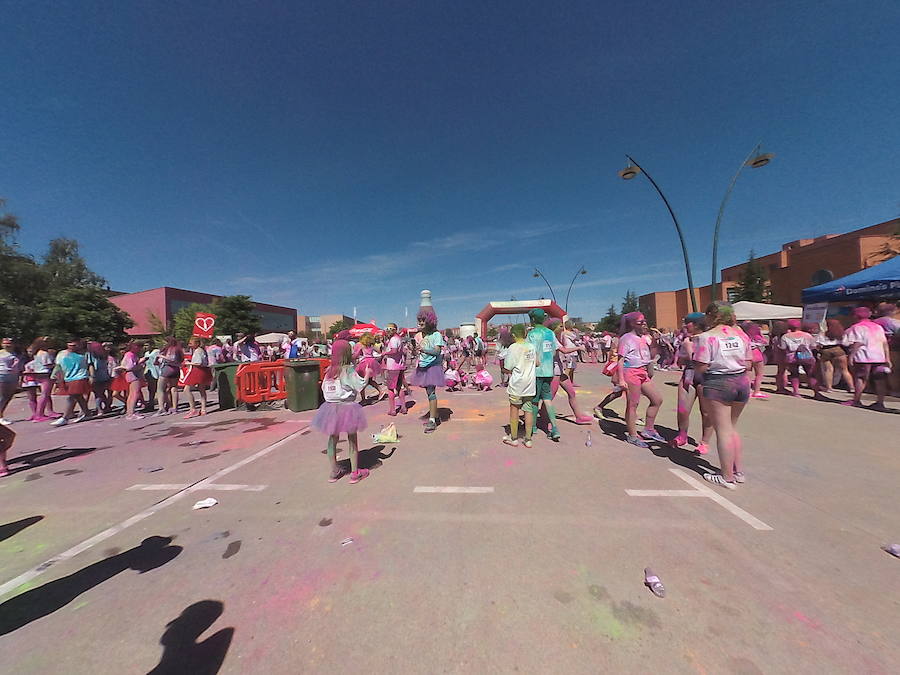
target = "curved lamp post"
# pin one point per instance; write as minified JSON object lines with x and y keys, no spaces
{"x":580,"y":271}
{"x":754,"y":160}
{"x":631,"y":171}
{"x":538,"y":273}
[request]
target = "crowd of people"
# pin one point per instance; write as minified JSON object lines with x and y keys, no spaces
{"x":721,"y":362}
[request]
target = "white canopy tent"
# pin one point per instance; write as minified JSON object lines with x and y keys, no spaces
{"x":271,"y":338}
{"x":761,"y":311}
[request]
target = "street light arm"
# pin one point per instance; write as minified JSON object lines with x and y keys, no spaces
{"x":581,"y":270}
{"x":714,"y":284}
{"x":687,"y":264}
{"x":541,"y":275}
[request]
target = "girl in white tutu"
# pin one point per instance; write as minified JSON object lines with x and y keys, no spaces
{"x":340,"y":413}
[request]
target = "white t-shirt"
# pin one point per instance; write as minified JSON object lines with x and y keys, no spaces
{"x":398,"y":361}
{"x":726,"y":353}
{"x":200,"y":358}
{"x":635,"y":350}
{"x":607,"y":341}
{"x":871,"y":342}
{"x":797,"y":344}
{"x":345,"y":388}
{"x":520,"y":359}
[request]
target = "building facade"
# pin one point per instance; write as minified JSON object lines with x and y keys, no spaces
{"x":156,"y":307}
{"x":317,"y":327}
{"x":798,"y":265}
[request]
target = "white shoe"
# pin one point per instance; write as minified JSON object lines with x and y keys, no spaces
{"x":61,"y":422}
{"x":80,"y":418}
{"x":5,"y":422}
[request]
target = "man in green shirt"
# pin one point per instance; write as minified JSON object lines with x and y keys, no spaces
{"x":545,"y":344}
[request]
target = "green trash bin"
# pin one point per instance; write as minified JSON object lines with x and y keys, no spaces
{"x":301,"y":382}
{"x":224,"y":374}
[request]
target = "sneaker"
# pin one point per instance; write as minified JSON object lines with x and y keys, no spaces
{"x":554,"y":434}
{"x":509,"y":440}
{"x":5,"y":422}
{"x":59,"y":422}
{"x":635,"y":440}
{"x":702,"y":449}
{"x":337,"y":475}
{"x":357,"y":476}
{"x":429,"y":426}
{"x":679,"y":440}
{"x":584,"y":419}
{"x":718,"y":479}
{"x":652,"y":435}
{"x":132,"y":418}
{"x":739,"y":477}
{"x":80,"y":418}
{"x":761,"y":394}
{"x":528,"y":443}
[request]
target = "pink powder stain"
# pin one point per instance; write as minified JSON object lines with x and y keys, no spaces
{"x":510,"y":462}
{"x":802,"y":618}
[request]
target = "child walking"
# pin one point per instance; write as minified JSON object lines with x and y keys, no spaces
{"x":340,"y":413}
{"x":521,"y":362}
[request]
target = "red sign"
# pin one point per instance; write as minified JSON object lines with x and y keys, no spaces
{"x":204,"y":325}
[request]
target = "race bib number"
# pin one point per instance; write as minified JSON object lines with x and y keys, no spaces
{"x":330,"y":387}
{"x":548,"y":346}
{"x":731,"y":347}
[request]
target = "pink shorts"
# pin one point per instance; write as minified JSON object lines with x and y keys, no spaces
{"x":635,"y":376}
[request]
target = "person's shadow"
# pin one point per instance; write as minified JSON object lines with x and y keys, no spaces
{"x":679,"y":456}
{"x":181,"y":651}
{"x":37,"y":603}
{"x":8,"y":530}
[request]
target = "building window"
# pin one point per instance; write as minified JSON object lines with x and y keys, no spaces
{"x":732,"y":294}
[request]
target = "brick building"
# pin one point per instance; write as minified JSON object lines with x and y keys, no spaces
{"x":164,"y":302}
{"x":798,"y":265}
{"x":317,"y":326}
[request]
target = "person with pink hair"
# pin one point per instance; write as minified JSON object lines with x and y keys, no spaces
{"x":636,"y":358}
{"x":429,"y":372}
{"x":870,"y":357}
{"x":394,"y":370}
{"x":340,"y":413}
{"x":798,"y":346}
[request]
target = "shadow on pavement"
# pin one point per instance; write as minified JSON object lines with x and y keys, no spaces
{"x":679,"y":456}
{"x":51,"y":456}
{"x":37,"y":603}
{"x":10,"y":529}
{"x":181,"y":651}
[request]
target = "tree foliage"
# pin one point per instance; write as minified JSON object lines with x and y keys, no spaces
{"x":629,"y":302}
{"x":82,"y":312}
{"x":752,"y":284}
{"x":235,"y":314}
{"x":59,"y":296}
{"x":183,"y":320}
{"x":610,"y":322}
{"x":338,"y":326}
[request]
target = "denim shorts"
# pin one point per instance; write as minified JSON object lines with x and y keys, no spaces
{"x":727,"y":388}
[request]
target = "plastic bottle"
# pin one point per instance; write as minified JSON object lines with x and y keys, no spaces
{"x":588,"y":442}
{"x":653,"y":583}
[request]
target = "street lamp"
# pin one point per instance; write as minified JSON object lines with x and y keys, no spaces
{"x":580,"y":271}
{"x":631,"y":171}
{"x":754,"y":160}
{"x":538,"y":273}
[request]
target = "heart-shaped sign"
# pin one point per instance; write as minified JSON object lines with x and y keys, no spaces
{"x":205,"y":323}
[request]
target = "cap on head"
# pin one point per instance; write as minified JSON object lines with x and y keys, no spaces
{"x":537,"y":316}
{"x":794,"y":323}
{"x":695,"y":317}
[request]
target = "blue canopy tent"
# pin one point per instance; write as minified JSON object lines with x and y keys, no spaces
{"x":873,"y":283}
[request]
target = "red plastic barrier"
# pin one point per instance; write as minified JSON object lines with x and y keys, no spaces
{"x":260,"y":381}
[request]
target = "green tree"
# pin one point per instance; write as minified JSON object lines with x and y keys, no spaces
{"x":752,"y":284}
{"x":235,"y":314}
{"x":82,"y":312}
{"x":629,"y":302}
{"x":338,"y":326}
{"x":66,"y":268}
{"x":22,"y":283}
{"x":610,"y":322}
{"x":9,"y":228}
{"x":183,"y":320}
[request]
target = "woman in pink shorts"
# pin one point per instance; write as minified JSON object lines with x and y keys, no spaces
{"x":636,"y":356}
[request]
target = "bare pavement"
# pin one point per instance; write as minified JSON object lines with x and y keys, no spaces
{"x":458,"y":554}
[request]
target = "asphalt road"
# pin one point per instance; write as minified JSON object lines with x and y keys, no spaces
{"x":537,"y":566}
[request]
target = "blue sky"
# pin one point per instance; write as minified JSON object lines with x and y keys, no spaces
{"x":339,"y":154}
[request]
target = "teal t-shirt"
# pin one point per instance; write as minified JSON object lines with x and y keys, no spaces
{"x":545,"y":344}
{"x":433,"y":341}
{"x":74,"y":366}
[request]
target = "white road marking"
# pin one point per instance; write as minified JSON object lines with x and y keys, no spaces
{"x":701,"y":490}
{"x":138,"y":517}
{"x":451,"y":489}
{"x":193,"y":488}
{"x":660,"y":493}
